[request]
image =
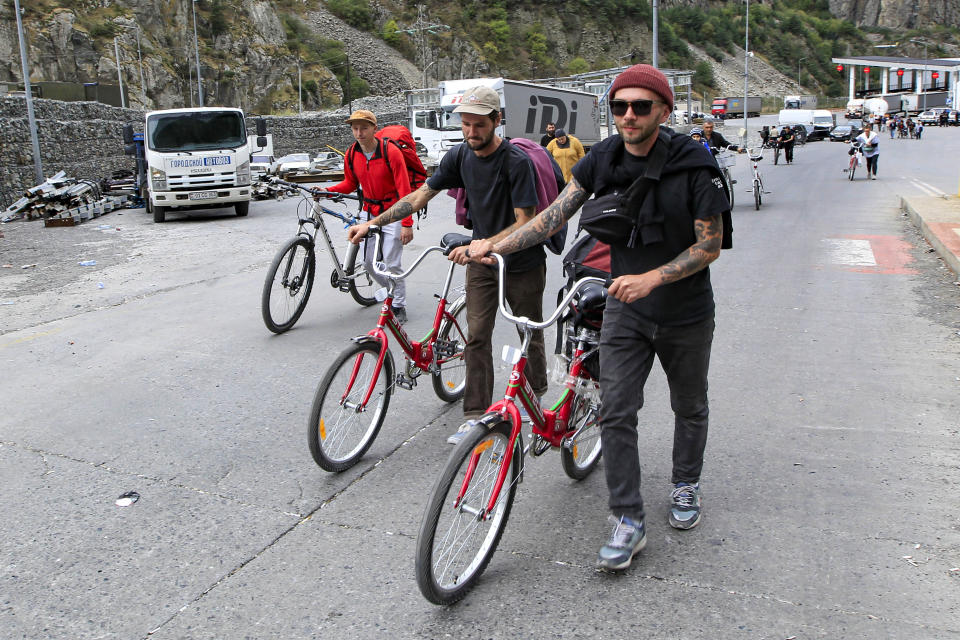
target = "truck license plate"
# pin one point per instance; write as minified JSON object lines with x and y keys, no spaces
{"x":203,"y":195}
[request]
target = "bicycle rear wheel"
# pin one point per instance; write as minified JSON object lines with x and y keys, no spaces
{"x":288,"y":285}
{"x":362,"y":285}
{"x":583,"y":454}
{"x":776,"y":155}
{"x":451,"y":378}
{"x":457,"y":538}
{"x":340,"y":431}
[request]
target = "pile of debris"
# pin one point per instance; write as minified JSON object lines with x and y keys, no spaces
{"x":263,"y":190}
{"x":63,"y":201}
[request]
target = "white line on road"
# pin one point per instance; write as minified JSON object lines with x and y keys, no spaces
{"x":929,"y":189}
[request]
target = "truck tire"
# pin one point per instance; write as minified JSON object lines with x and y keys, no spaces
{"x":243,"y":208}
{"x":159,"y":213}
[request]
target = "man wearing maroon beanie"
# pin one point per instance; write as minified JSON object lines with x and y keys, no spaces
{"x":660,"y":302}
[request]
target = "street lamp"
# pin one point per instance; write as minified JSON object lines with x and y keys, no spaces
{"x":656,"y":35}
{"x":31,"y":120}
{"x":746,"y":72}
{"x":425,"y":73}
{"x":799,"y":90}
{"x":923,"y":77}
{"x":196,"y":50}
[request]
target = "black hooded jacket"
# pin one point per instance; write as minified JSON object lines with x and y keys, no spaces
{"x":690,"y":187}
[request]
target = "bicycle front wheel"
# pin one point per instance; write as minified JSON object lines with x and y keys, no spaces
{"x":458,"y":535}
{"x":582,"y":455}
{"x":341,"y":429}
{"x":757,"y":189}
{"x":362,"y":286}
{"x":853,"y":168}
{"x":729,"y":179}
{"x":451,"y":378}
{"x":776,"y":155}
{"x":288,"y":285}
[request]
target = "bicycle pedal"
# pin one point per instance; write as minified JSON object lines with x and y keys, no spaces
{"x":406,"y":383}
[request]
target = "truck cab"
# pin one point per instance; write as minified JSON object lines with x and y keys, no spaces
{"x":196,"y":159}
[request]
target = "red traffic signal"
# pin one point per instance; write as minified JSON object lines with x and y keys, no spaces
{"x":839,"y":67}
{"x":866,"y":69}
{"x":900,"y":72}
{"x":935,"y":75}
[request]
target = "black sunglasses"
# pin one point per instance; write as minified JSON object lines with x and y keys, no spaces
{"x":640,"y":107}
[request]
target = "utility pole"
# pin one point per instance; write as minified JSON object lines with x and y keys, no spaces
{"x":419,"y":30}
{"x":31,"y":119}
{"x":196,"y":49}
{"x":116,"y":52}
{"x":656,"y":34}
{"x":143,"y":88}
{"x":349,"y":92}
{"x":746,"y":72}
{"x":299,"y":88}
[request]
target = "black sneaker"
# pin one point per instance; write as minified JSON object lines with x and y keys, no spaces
{"x":400,"y":313}
{"x":627,"y":540}
{"x":685,"y":511}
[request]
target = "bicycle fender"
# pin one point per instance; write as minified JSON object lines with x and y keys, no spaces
{"x":387,"y":356}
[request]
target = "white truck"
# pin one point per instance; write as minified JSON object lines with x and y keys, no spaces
{"x":196,"y":159}
{"x":526,"y":109}
{"x":799,"y":102}
{"x":917,"y":102}
{"x":855,"y":108}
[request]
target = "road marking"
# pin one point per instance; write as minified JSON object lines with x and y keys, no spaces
{"x":928,"y":189}
{"x":42,"y":334}
{"x":870,"y":254}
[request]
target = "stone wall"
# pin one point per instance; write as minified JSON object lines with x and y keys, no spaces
{"x":85,"y":139}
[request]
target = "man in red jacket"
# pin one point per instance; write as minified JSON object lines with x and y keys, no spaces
{"x":379,"y":169}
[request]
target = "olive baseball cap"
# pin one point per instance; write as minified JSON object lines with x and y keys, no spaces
{"x":481,"y":101}
{"x":362,"y":115}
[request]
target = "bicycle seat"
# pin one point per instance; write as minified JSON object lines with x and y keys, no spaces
{"x":451,"y":241}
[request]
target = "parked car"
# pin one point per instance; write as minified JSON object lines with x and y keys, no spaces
{"x":261,"y":166}
{"x":843,"y":133}
{"x":292,"y":162}
{"x":929,"y":117}
{"x":327,"y":161}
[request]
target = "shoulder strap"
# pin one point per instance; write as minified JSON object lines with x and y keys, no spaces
{"x":637,"y":191}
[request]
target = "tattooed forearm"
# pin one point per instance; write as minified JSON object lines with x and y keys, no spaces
{"x":704,"y":251}
{"x":409,"y":203}
{"x":547,"y":222}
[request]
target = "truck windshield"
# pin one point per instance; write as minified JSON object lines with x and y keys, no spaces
{"x":823,"y":120}
{"x":200,"y":131}
{"x":449,"y":121}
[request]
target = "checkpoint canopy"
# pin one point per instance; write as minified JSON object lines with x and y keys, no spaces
{"x":917,"y":74}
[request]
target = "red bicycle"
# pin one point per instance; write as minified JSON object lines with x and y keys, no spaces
{"x":352,"y":400}
{"x":471,"y":501}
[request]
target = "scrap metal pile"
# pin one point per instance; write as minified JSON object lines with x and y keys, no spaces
{"x":63,"y":201}
{"x":263,"y":189}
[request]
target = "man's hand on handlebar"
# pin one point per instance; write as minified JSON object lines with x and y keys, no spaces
{"x":631,"y":288}
{"x":479,"y":251}
{"x":358,"y":232}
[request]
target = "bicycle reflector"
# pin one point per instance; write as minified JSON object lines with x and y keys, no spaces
{"x":510,"y":355}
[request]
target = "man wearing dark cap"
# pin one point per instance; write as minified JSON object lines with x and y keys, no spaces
{"x":379,"y":169}
{"x":660,"y":303}
{"x":501,"y":193}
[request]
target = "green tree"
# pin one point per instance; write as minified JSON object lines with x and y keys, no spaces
{"x":577,"y":65}
{"x":218,"y":22}
{"x":356,"y":13}
{"x":703,"y":74}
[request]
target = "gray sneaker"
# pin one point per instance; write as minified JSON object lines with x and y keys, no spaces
{"x":462,"y":431}
{"x":400,"y":313}
{"x":685,"y":511}
{"x":628,"y":539}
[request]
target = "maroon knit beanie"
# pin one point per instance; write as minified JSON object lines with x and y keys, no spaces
{"x":645,"y":77}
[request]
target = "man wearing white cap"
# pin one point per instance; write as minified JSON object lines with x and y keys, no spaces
{"x":501,"y":192}
{"x":379,"y":169}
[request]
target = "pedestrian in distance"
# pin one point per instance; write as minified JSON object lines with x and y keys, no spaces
{"x":548,"y":137}
{"x":787,"y":140}
{"x":567,"y":151}
{"x":919,"y":130}
{"x":871,"y":149}
{"x":500,"y":187}
{"x":892,"y":125}
{"x":378,"y":168}
{"x":660,"y":304}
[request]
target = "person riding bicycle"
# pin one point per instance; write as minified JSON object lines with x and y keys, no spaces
{"x":383,"y":182}
{"x":715,"y":140}
{"x":786,"y":141}
{"x":660,"y":303}
{"x":870,"y":146}
{"x":500,"y":186}
{"x":697,"y":134}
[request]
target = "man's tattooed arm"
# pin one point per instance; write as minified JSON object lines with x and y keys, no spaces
{"x":705,"y":250}
{"x":411,"y":202}
{"x":547,"y":222}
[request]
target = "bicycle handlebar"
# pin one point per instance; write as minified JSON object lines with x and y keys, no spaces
{"x":378,"y":242}
{"x":527,"y":323}
{"x":332,"y":195}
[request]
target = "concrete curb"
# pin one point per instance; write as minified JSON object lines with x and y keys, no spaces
{"x":939,"y":221}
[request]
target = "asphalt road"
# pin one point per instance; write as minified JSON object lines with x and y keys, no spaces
{"x":830,"y":485}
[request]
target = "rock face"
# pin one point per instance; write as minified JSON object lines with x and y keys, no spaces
{"x":898,"y":14}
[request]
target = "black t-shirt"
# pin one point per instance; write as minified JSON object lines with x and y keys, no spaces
{"x":545,"y":140}
{"x":491,"y":203}
{"x":685,"y":196}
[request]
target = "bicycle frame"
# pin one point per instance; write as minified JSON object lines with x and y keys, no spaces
{"x":550,"y":424}
{"x":424,"y":355}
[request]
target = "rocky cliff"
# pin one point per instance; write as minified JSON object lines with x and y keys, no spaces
{"x":898,"y":14}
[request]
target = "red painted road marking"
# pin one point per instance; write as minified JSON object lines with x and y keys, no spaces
{"x":890,"y":253}
{"x":948,"y":233}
